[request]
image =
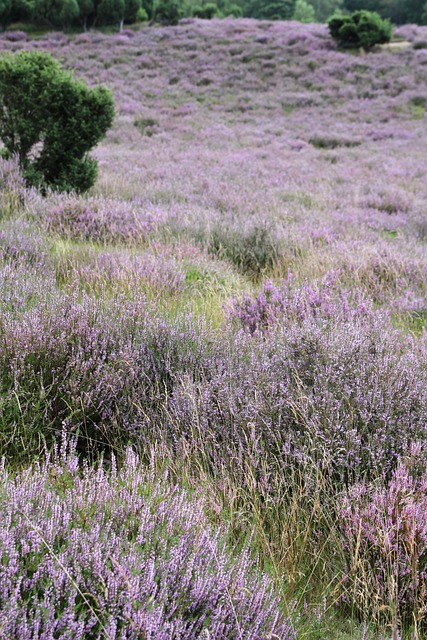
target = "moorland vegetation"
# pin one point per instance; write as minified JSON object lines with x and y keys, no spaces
{"x":213,"y":394}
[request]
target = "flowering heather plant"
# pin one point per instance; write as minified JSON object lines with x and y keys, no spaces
{"x":97,"y":220}
{"x":122,"y":271}
{"x":15,"y":35}
{"x":12,"y":188}
{"x":86,"y":554}
{"x":344,"y":396}
{"x":384,"y":535}
{"x":286,"y":304}
{"x":22,"y":242}
{"x":104,"y":371}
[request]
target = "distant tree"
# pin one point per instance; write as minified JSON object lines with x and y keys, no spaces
{"x":232,"y":10}
{"x":398,"y":11}
{"x":50,"y":121}
{"x":271,"y":9}
{"x":149,"y":8}
{"x":325,"y":8}
{"x":111,"y":11}
{"x":5,"y":13}
{"x":424,"y":14}
{"x":206,"y":12}
{"x":86,"y":12}
{"x":304,"y":12}
{"x":118,"y":11}
{"x":132,"y":10}
{"x":142,"y":15}
{"x":22,"y":10}
{"x":15,"y":11}
{"x":168,"y":12}
{"x":58,"y":13}
{"x":413,"y":10}
{"x":360,"y":5}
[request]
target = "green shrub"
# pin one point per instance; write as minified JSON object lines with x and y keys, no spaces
{"x":360,"y":29}
{"x":50,"y":121}
{"x":147,"y":126}
{"x":253,"y":251}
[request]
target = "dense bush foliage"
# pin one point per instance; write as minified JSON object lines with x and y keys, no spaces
{"x":51,"y":121}
{"x":361,"y":29}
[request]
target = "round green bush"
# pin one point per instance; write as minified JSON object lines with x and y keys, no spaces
{"x":361,"y":29}
{"x":50,"y":121}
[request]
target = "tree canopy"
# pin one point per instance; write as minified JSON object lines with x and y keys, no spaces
{"x":50,"y":121}
{"x":92,"y":13}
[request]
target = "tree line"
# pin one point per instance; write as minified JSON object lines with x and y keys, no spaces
{"x":89,"y":14}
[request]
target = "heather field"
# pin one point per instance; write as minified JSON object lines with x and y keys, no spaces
{"x":214,"y":364}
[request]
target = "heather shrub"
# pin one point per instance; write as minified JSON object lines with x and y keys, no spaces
{"x":104,"y":372}
{"x":384,"y":535}
{"x":345,"y":397}
{"x":287,"y":304}
{"x":26,"y":278}
{"x":420,"y":44}
{"x":15,"y":35}
{"x":96,"y":219}
{"x":51,"y":121}
{"x":360,"y":29}
{"x":101,"y":271}
{"x":117,"y":555}
{"x":147,"y":126}
{"x":12,"y":188}
{"x":328,"y":142}
{"x":253,"y":250}
{"x":21,"y":243}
